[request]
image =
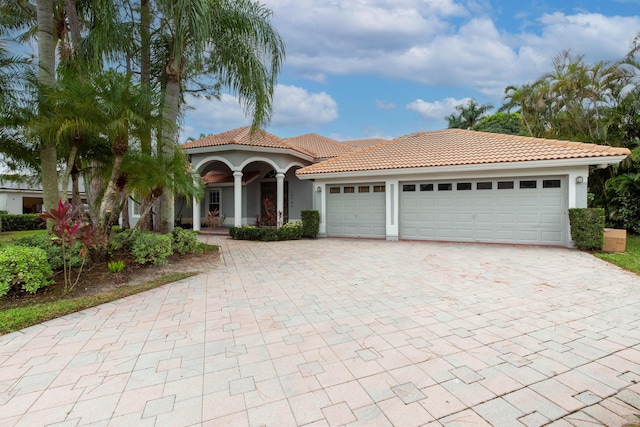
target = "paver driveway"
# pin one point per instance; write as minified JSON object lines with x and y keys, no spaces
{"x":334,"y":332}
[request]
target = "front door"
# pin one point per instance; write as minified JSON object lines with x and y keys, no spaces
{"x":269,"y":191}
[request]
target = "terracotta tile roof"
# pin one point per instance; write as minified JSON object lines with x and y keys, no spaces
{"x":320,"y":146}
{"x":452,"y":147}
{"x":243,"y":136}
{"x":364,"y":143}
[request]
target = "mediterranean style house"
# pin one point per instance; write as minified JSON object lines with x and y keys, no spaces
{"x":449,"y":185}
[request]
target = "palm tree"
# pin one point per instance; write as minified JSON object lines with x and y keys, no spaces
{"x":46,"y":78}
{"x":469,"y":115}
{"x":231,"y":43}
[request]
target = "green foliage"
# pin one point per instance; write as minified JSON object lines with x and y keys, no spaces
{"x":21,"y":222}
{"x":624,"y":209}
{"x":310,"y":223}
{"x":151,"y":247}
{"x":289,"y":231}
{"x":23,"y":267}
{"x":185,"y":241}
{"x":468,"y":116}
{"x":11,"y":236}
{"x":503,"y":123}
{"x":116,"y":267}
{"x":121,"y":240}
{"x":587,"y":227}
{"x":53,"y":250}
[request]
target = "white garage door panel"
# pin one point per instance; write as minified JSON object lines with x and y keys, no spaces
{"x":357,"y":212}
{"x":518,"y":215}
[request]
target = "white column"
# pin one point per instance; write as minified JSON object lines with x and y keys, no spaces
{"x":280,"y":197}
{"x":196,"y":214}
{"x":237,"y":198}
{"x":392,"y":190}
{"x":572,"y":192}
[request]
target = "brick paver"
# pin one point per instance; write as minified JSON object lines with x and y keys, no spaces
{"x":344,"y":332}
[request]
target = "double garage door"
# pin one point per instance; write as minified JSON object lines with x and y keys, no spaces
{"x":512,"y":210}
{"x":525,"y":210}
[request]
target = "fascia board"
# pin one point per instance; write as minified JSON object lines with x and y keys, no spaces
{"x":253,"y":149}
{"x":538,"y":164}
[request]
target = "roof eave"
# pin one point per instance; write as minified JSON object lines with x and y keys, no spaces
{"x":557,"y":163}
{"x":250,"y":148}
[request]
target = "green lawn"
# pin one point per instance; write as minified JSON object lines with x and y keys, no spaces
{"x":10,"y":236}
{"x":629,"y":260}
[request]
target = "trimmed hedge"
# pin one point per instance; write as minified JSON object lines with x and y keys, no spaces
{"x":12,"y":222}
{"x":289,"y":231}
{"x":310,"y":223}
{"x":587,"y":228}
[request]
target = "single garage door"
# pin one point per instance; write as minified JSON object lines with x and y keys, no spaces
{"x":356,"y":210}
{"x":511,"y":210}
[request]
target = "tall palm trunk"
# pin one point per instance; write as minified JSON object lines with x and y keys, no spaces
{"x":46,"y":77}
{"x":168,"y":140}
{"x":145,"y":80}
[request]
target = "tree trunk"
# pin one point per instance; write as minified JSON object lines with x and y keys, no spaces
{"x":93,"y":188}
{"x":125,"y":214}
{"x":108,"y":203}
{"x":168,"y":141}
{"x":145,"y":80}
{"x":46,"y":77}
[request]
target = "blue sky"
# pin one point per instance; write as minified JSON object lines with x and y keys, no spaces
{"x":384,"y":68}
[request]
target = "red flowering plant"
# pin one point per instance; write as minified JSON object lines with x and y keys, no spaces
{"x":70,"y":225}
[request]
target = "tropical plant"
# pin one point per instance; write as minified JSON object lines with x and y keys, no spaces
{"x":468,"y":115}
{"x":503,"y":123}
{"x":231,"y":44}
{"x":70,"y":226}
{"x":116,"y":267}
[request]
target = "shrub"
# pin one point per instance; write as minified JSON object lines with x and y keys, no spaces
{"x":53,"y":251}
{"x":289,"y":231}
{"x":246,"y":232}
{"x":23,"y":267}
{"x":310,"y":223}
{"x":150,"y":247}
{"x":587,"y":227}
{"x":185,"y":241}
{"x":11,"y":222}
{"x":121,"y":240}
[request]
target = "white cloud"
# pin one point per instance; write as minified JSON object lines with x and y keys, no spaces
{"x":439,"y":42}
{"x":437,"y":110}
{"x":384,"y":105}
{"x":213,"y":115}
{"x":295,"y":107}
{"x":292,"y":106}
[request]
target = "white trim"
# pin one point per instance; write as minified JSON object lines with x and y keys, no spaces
{"x":475,"y":168}
{"x":212,"y":159}
{"x":259,"y":159}
{"x":250,"y":148}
